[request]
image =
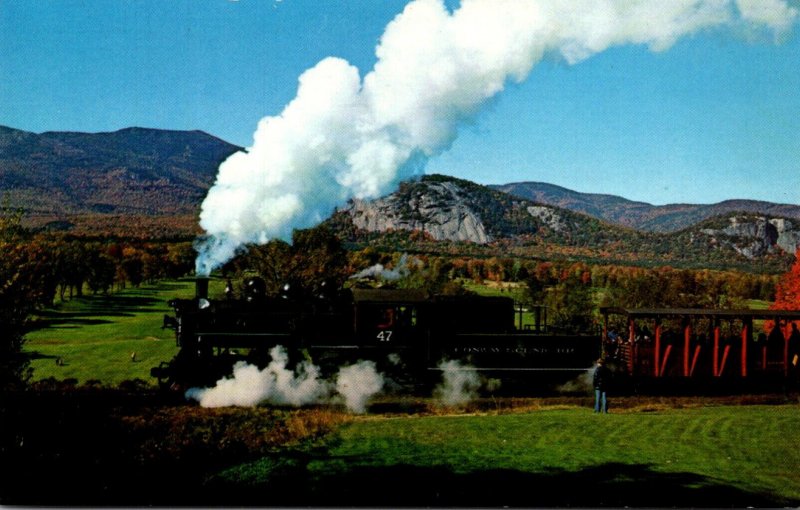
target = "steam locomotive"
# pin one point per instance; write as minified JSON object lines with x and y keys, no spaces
{"x":407,"y":333}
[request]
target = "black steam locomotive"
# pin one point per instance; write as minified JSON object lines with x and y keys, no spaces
{"x":407,"y":333}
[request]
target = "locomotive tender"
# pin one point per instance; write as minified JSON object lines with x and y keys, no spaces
{"x":407,"y":333}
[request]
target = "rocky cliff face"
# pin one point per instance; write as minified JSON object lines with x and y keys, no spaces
{"x":549,"y":217}
{"x":756,"y":236}
{"x":450,"y":209}
{"x":440,"y":209}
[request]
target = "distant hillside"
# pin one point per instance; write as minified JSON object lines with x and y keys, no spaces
{"x":133,"y":171}
{"x":447,"y":208}
{"x":641,"y":215}
{"x":477,"y":219}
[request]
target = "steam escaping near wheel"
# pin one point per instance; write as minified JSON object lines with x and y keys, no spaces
{"x":460,"y":384}
{"x":280,"y":385}
{"x":344,"y":136}
{"x":581,"y":384}
{"x":357,"y":383}
{"x":275,"y":384}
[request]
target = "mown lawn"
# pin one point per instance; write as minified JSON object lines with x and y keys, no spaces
{"x":707,"y":456}
{"x":95,"y":336}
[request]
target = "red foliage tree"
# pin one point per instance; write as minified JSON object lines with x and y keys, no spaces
{"x":787,"y":290}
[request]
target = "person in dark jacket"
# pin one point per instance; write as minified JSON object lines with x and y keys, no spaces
{"x":794,"y":354}
{"x":600,"y":380}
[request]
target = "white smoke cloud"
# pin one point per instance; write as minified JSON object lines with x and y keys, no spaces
{"x":775,"y":15}
{"x":343,"y":137}
{"x":378,"y":271}
{"x":357,"y":383}
{"x":459,"y":386}
{"x":277,"y":384}
{"x":581,"y":384}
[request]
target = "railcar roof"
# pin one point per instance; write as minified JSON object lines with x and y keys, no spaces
{"x":643,"y":313}
{"x":389,"y":295}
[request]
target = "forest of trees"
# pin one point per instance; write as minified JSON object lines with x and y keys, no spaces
{"x":573,"y":291}
{"x":314,"y":259}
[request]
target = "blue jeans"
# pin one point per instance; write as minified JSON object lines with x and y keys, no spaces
{"x":600,"y":401}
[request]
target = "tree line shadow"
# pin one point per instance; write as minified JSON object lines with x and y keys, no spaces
{"x":162,"y":285}
{"x":117,"y":303}
{"x":403,"y":485}
{"x":95,"y":306}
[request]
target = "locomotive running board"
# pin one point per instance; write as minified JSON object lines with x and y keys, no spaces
{"x":242,"y":340}
{"x":221,"y":333}
{"x":507,"y":369}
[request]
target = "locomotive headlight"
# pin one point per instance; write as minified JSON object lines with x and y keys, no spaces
{"x":203,"y":303}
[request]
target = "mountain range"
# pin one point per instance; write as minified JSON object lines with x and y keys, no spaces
{"x":445,"y":213}
{"x":120,"y":181}
{"x":150,"y":183}
{"x":641,"y":215}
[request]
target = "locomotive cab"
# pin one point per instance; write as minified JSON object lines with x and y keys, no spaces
{"x":384,"y":318}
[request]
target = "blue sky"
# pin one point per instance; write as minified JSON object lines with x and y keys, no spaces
{"x":716,"y":116}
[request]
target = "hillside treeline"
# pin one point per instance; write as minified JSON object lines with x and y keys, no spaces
{"x":573,"y":292}
{"x":98,"y":267}
{"x":69,"y":268}
{"x":627,"y":286}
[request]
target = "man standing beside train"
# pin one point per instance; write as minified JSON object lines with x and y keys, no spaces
{"x":600,"y":380}
{"x":794,"y":357}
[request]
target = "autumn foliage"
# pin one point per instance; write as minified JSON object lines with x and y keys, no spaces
{"x":787,"y":291}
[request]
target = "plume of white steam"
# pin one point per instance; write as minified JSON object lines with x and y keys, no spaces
{"x":460,"y":384}
{"x":344,"y":136}
{"x":277,"y":384}
{"x":581,"y":384}
{"x":357,"y":383}
{"x":378,"y":271}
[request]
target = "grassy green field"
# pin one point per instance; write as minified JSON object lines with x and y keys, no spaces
{"x":705,"y":456}
{"x":95,"y":336}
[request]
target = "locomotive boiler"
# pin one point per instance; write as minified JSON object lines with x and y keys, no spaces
{"x":407,"y":333}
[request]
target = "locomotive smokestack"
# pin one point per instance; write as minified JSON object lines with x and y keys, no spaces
{"x":201,"y":288}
